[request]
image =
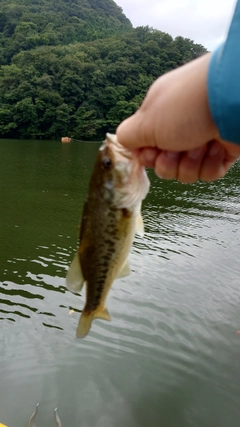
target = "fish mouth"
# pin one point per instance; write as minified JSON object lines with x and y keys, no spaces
{"x":112,"y":139}
{"x":132,"y":181}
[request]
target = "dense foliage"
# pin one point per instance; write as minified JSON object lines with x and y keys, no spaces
{"x":26,"y":24}
{"x":77,"y":67}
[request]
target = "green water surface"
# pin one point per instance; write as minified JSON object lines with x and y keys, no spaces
{"x":171,"y":355}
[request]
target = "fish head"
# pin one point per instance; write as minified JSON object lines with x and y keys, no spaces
{"x":123,"y":178}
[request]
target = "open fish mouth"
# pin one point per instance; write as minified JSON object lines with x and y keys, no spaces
{"x":112,"y":139}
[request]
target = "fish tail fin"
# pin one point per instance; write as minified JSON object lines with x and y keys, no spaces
{"x":85,"y":321}
{"x":84,"y":325}
{"x":102,"y":314}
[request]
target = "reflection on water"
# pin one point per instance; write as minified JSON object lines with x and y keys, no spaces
{"x":170,"y":356}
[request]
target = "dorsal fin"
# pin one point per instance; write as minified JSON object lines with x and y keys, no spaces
{"x":125,"y":270}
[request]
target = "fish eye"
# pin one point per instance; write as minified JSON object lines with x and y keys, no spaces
{"x":106,"y":162}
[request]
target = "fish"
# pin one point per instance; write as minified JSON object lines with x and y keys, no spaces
{"x":111,"y":217}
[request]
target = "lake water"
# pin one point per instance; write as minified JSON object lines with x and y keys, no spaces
{"x":171,"y":355}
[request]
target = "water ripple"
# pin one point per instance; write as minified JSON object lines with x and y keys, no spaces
{"x":170,"y":355}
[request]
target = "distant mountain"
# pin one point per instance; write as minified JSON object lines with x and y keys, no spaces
{"x":77,"y":67}
{"x":26,"y":24}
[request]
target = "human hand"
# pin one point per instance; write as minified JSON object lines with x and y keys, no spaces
{"x":206,"y":163}
{"x":173,"y":130}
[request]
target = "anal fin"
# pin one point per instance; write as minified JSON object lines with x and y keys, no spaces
{"x":140,"y":225}
{"x":74,"y":278}
{"x":124,"y":271}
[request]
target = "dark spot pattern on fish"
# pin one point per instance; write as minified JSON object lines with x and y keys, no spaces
{"x":109,"y":242}
{"x":101,"y":279}
{"x":106,"y":258}
{"x":126,"y":213}
{"x":104,"y":268}
{"x":105,"y":263}
{"x":98,"y":295}
{"x":99,"y":289}
{"x":94,"y":301}
{"x":111,"y":215}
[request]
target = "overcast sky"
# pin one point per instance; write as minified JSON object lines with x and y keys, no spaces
{"x":204,"y":21}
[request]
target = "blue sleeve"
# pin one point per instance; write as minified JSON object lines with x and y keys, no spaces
{"x":224,"y":83}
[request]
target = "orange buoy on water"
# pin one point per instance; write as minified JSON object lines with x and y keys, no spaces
{"x":66,"y":139}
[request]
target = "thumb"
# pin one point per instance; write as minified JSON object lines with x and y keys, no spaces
{"x":130,"y":132}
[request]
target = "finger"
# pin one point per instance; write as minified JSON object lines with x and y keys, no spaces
{"x":131,"y":132}
{"x":232,"y":150}
{"x":148,"y":156}
{"x":232,"y":153}
{"x":213,"y":163}
{"x":166,"y":165}
{"x":228,"y":164}
{"x":190,"y":165}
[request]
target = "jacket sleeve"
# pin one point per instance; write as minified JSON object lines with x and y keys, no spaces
{"x":224,"y":83}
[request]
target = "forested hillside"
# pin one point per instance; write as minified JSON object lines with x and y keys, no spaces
{"x":78,"y":67}
{"x":26,"y":24}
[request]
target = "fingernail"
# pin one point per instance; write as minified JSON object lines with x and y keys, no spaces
{"x":150,"y":154}
{"x":214,"y":150}
{"x":196,"y":153}
{"x":172,"y":154}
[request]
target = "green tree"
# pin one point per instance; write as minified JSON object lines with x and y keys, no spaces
{"x":77,"y":68}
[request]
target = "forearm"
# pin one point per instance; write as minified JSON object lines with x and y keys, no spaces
{"x":224,"y":83}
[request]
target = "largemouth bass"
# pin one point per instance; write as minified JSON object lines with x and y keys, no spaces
{"x":111,"y":216}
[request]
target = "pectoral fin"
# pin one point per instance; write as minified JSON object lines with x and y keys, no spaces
{"x":74,"y":278}
{"x":125,"y":270}
{"x":139,"y":225}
